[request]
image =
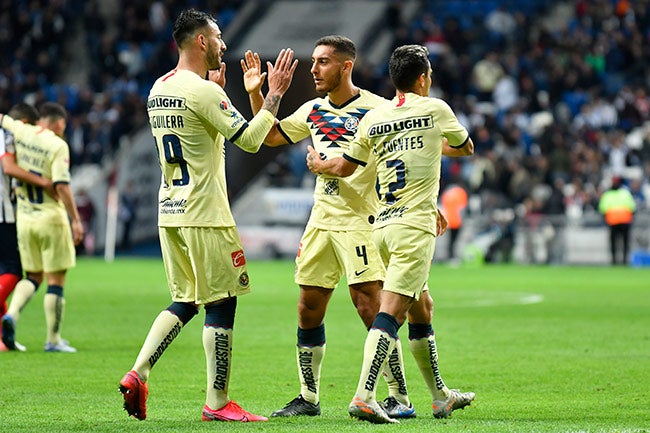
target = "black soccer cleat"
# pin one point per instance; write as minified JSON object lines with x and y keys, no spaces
{"x":9,"y":332}
{"x":298,"y":406}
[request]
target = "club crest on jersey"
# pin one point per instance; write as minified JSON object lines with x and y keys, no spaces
{"x":243,"y":279}
{"x":331,"y":187}
{"x":238,"y":258}
{"x":224,"y":105}
{"x":351,"y":124}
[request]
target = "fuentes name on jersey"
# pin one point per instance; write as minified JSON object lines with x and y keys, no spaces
{"x":402,"y":128}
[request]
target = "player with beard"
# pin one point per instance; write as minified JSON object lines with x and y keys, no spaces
{"x":190,"y":117}
{"x":337,"y":239}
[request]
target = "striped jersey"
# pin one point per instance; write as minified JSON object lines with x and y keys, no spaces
{"x":7,"y":211}
{"x":339,"y":203}
{"x":404,"y":136}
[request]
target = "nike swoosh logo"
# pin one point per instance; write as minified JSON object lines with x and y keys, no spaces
{"x":357,"y":273}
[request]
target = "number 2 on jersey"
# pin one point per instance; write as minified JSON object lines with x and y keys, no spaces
{"x":174,"y":155}
{"x":400,"y":181}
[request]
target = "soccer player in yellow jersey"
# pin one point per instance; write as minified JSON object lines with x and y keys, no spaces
{"x":43,"y":223}
{"x":405,"y":139}
{"x":337,"y":240}
{"x":10,"y":268}
{"x":190,"y":118}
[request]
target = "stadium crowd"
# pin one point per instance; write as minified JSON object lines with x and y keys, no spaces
{"x":98,"y":59}
{"x":553,"y":93}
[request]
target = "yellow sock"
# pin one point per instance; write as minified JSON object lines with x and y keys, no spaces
{"x":23,"y":292}
{"x":54,"y":306}
{"x":378,"y":346}
{"x":217,"y":344}
{"x":161,"y":334}
{"x":394,"y":375}
{"x":426,"y":357}
{"x":310,"y":360}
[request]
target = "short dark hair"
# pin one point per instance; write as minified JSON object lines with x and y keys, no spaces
{"x":24,"y":111}
{"x":53,"y":111}
{"x":341,"y":45}
{"x":406,"y":64}
{"x":188,"y":22}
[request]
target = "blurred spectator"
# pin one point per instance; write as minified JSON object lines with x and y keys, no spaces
{"x":87,"y":213}
{"x":500,"y":25}
{"x":638,"y":193}
{"x":485,"y":75}
{"x":127,"y":214}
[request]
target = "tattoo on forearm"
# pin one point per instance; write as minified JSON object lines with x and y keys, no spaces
{"x":272,"y":103}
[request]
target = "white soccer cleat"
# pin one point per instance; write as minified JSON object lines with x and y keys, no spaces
{"x":456,"y":400}
{"x":370,"y":412}
{"x":62,"y":346}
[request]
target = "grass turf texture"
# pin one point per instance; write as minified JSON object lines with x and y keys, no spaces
{"x":546,"y":349}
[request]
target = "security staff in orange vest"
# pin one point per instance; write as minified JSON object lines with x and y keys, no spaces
{"x":618,"y":206}
{"x":453,"y":201}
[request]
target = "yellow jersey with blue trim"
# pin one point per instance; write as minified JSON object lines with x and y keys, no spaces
{"x":404,"y":137}
{"x":339,"y":203}
{"x":190,"y":119}
{"x":42,"y":152}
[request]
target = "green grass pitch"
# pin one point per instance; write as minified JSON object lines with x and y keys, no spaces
{"x":546,"y":349}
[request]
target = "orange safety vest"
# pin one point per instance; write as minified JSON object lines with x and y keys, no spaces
{"x":618,"y":206}
{"x":453,"y":201}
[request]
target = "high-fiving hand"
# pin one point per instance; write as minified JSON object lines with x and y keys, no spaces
{"x":279,"y":74}
{"x":251,"y":65}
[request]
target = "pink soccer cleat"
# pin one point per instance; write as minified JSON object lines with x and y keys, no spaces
{"x":230,"y":412}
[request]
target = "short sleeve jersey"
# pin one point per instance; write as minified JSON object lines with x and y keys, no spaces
{"x":190,"y":118}
{"x":405,"y":138}
{"x":42,"y":152}
{"x":339,"y":203}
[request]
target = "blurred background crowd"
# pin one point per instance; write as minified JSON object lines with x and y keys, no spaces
{"x":554,"y":93}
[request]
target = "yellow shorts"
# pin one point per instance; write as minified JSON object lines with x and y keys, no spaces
{"x":407,"y":253}
{"x":203,"y":264}
{"x":325,"y":255}
{"x":45,"y":247}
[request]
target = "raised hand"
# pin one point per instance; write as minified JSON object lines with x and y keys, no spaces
{"x":280,"y":74}
{"x":251,"y":65}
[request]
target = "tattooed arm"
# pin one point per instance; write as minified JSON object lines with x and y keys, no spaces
{"x":279,"y":76}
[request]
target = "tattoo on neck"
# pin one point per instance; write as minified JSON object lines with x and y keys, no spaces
{"x":272,"y":103}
